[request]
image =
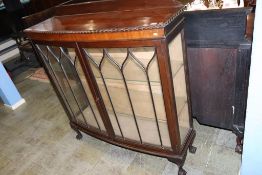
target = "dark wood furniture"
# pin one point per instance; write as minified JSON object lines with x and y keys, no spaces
{"x":219,"y":50}
{"x":10,"y":15}
{"x":121,"y":73}
{"x":36,"y":6}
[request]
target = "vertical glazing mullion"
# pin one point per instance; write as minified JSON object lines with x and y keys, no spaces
{"x":99,"y":67}
{"x":112,"y":106}
{"x":129,"y":98}
{"x":145,"y":70}
{"x":56,"y":79}
{"x":152,"y":99}
{"x":62,"y":68}
{"x":100,"y":71}
{"x":82,"y":87}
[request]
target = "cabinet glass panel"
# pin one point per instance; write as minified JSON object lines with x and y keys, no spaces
{"x":129,"y":82}
{"x":179,"y":83}
{"x":63,"y":65}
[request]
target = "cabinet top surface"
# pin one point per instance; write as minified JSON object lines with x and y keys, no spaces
{"x":124,"y":17}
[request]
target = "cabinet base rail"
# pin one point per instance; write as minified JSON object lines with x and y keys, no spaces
{"x":178,"y":159}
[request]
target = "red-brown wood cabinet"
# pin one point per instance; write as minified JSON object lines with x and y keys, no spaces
{"x":122,"y":75}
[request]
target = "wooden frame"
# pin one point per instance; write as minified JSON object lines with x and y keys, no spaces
{"x":157,"y":37}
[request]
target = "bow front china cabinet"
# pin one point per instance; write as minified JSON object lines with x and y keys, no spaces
{"x":121,"y":73}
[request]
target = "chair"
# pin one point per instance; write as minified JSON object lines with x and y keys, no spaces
{"x":16,"y":11}
{"x":31,"y":20}
{"x":19,"y":20}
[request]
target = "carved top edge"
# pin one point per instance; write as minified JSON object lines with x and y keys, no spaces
{"x":160,"y":25}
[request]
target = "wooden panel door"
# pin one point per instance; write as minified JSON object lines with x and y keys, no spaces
{"x":212,"y":73}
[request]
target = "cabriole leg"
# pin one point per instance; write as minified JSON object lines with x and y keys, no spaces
{"x":179,"y":163}
{"x":181,"y":171}
{"x":192,"y":149}
{"x":239,"y":146}
{"x":79,"y":135}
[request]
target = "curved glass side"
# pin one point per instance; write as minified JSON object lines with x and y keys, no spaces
{"x":64,"y":67}
{"x":179,"y":83}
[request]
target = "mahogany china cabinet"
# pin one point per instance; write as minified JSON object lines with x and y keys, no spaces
{"x":121,"y":73}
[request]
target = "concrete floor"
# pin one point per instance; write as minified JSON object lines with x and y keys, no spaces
{"x":36,"y":139}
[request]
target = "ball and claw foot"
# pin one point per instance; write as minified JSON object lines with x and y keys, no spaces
{"x":239,"y":146}
{"x":79,"y":136}
{"x":192,"y":149}
{"x":181,"y":171}
{"x":239,"y":149}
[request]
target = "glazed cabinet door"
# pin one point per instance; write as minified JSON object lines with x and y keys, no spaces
{"x":129,"y":83}
{"x":63,"y":65}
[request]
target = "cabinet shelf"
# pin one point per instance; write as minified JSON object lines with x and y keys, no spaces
{"x":134,"y":73}
{"x":140,"y":94}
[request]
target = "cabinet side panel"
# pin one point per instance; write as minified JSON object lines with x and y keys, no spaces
{"x":175,"y":48}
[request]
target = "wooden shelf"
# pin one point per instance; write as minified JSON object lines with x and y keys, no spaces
{"x":134,"y":73}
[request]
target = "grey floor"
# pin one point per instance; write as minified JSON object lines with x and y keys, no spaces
{"x":36,"y":139}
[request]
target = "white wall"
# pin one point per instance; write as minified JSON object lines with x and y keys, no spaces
{"x":252,"y":153}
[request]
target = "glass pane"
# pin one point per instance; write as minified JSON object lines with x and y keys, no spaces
{"x":63,"y":64}
{"x":111,"y":85}
{"x":178,"y":72}
{"x":96,"y":119}
{"x":128,"y":79}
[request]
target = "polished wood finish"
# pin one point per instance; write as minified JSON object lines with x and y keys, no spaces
{"x":250,"y":26}
{"x":99,"y":36}
{"x":114,"y":5}
{"x":127,"y":24}
{"x":120,"y":24}
{"x":213,"y":37}
{"x":38,"y":17}
{"x":168,"y":94}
